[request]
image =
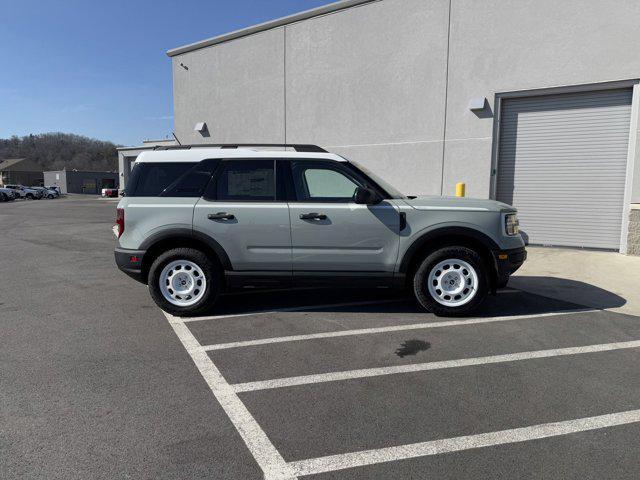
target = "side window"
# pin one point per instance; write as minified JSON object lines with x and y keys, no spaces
{"x":150,"y":179}
{"x":193,"y":182}
{"x":323,"y":182}
{"x":246,"y":180}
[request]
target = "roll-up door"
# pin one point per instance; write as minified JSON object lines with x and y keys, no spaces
{"x":562,"y":163}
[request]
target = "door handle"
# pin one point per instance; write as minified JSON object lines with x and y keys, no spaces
{"x":221,"y":216}
{"x":313,"y":216}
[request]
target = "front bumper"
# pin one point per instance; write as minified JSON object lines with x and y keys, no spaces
{"x":508,"y":261}
{"x":130,"y":262}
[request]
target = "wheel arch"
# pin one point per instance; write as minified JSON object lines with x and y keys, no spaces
{"x":444,"y":237}
{"x":182,"y":238}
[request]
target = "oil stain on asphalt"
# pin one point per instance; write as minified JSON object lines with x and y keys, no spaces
{"x":412,"y":347}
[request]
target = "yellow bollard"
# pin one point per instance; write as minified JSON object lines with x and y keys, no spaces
{"x":460,"y":187}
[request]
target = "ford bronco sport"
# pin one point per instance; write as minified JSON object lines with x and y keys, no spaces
{"x":197,"y":221}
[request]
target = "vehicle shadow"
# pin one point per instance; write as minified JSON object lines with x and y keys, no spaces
{"x":572,"y":291}
{"x":542,"y":295}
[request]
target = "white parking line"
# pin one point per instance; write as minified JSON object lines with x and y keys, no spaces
{"x":268,"y":458}
{"x":418,"y":367}
{"x":292,"y":309}
{"x":393,"y":328}
{"x":369,"y":457}
{"x":303,"y":309}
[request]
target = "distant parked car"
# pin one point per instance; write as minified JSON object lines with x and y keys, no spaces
{"x":42,"y":190}
{"x":55,"y":188}
{"x":46,"y":192}
{"x":6,"y":195}
{"x":25,"y":192}
{"x":109,"y":192}
{"x":17,"y":191}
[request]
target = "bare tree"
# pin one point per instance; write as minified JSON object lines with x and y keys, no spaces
{"x":56,"y":151}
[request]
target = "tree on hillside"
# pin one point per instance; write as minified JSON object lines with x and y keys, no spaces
{"x":57,"y":151}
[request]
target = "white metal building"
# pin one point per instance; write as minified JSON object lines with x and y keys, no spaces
{"x":534,"y":102}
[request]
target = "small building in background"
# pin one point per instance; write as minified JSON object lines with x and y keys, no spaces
{"x":127,"y":156}
{"x":20,"y":171}
{"x":76,"y":181}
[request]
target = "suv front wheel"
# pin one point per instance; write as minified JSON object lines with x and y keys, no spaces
{"x":451,"y":281}
{"x":184,"y":281}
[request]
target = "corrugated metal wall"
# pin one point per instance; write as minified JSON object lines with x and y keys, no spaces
{"x":562,"y":162}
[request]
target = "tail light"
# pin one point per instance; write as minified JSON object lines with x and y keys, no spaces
{"x":119,"y":221}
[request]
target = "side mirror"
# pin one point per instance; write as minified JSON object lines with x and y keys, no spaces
{"x":366,"y":196}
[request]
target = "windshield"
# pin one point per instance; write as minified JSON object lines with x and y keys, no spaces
{"x":390,"y":189}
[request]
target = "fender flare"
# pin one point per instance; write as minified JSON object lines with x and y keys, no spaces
{"x":189,"y":234}
{"x":459,"y":231}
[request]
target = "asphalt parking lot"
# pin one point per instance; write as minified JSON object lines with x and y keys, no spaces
{"x":97,"y":382}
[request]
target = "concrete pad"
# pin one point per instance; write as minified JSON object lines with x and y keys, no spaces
{"x":594,"y":278}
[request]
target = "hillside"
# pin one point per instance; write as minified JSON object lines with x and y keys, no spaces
{"x":56,"y":151}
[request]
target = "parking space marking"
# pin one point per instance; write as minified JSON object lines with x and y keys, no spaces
{"x":419,"y":367}
{"x":369,"y":457}
{"x":291,"y":309}
{"x":393,"y":328}
{"x":265,"y":454}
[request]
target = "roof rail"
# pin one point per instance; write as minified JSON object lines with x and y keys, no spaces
{"x":296,"y":146}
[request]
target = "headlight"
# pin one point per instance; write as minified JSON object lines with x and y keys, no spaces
{"x":511,"y":224}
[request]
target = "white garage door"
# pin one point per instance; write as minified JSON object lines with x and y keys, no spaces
{"x":562,"y":163}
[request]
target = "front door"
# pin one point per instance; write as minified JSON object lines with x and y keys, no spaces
{"x":329,"y":232}
{"x":240,"y":211}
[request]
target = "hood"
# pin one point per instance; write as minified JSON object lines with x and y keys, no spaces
{"x":435,"y":202}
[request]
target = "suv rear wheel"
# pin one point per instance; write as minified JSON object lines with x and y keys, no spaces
{"x":184,"y":281}
{"x":451,"y":281}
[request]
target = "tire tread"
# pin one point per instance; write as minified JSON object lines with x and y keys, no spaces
{"x":421,"y":291}
{"x":211,"y":269}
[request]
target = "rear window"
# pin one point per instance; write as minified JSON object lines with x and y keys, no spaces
{"x":151,"y":179}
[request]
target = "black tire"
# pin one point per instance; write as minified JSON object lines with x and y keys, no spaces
{"x":50,"y":197}
{"x":427,"y":300}
{"x":30,"y":196}
{"x":3,"y":198}
{"x":210,"y":269}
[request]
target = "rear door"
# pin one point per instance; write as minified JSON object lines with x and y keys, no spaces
{"x":329,"y":232}
{"x":160,"y":198}
{"x":241,"y":212}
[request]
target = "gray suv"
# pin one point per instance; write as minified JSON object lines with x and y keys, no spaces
{"x":197,"y":221}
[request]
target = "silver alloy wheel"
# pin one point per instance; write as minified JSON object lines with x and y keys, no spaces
{"x":453,"y":282}
{"x":182,"y":283}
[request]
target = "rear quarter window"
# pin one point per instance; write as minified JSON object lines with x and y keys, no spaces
{"x":152,"y":179}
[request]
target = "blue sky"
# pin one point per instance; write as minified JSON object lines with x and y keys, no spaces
{"x":98,"y":68}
